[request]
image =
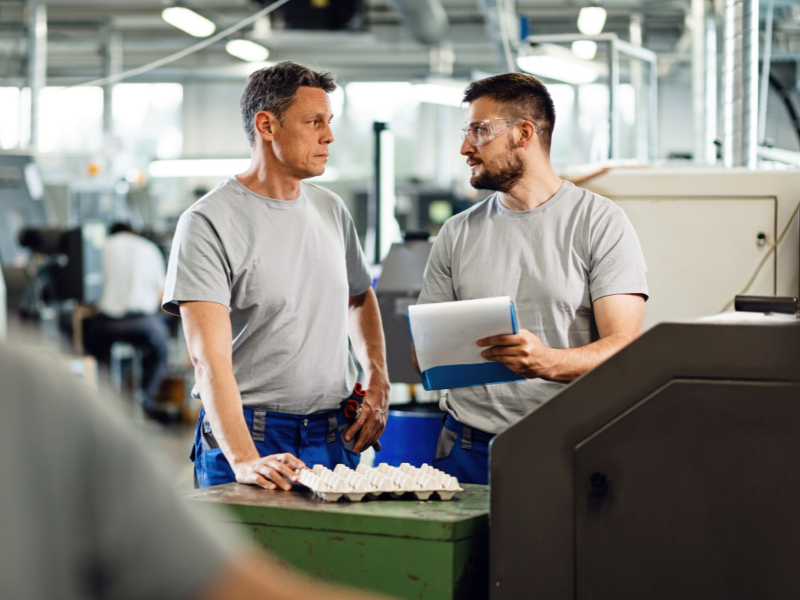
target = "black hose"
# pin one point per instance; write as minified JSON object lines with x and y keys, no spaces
{"x":787,"y":102}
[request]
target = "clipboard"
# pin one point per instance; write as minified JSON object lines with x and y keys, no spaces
{"x":444,"y":336}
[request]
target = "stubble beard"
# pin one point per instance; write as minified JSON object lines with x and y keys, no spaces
{"x":502,"y":178}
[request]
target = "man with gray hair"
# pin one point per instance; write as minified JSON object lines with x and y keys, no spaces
{"x":268,"y":275}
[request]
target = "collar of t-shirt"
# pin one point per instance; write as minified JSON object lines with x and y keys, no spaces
{"x":272,"y":202}
{"x":545,"y":206}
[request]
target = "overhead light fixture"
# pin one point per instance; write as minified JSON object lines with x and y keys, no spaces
{"x":202,"y":167}
{"x":444,"y":92}
{"x":247,"y":50}
{"x":213,"y":167}
{"x":591,"y":20}
{"x":585,"y":49}
{"x":559,"y":63}
{"x":189,"y":21}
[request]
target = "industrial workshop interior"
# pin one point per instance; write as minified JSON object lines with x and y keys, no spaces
{"x":411,"y":299}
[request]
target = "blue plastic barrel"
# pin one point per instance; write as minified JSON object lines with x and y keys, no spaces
{"x":412,"y":431}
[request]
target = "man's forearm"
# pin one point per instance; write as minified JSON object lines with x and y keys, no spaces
{"x":223,"y":406}
{"x":568,"y":364}
{"x":366,"y":335}
{"x":208,"y":337}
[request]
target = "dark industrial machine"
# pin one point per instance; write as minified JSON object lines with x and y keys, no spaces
{"x":20,"y":205}
{"x":669,"y":471}
{"x":73,"y":267}
{"x":399,"y":287}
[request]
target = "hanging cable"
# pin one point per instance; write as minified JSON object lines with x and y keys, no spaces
{"x":787,"y":103}
{"x":185,"y":52}
{"x":769,"y":252}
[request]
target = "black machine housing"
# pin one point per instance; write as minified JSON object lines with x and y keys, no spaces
{"x":669,"y":471}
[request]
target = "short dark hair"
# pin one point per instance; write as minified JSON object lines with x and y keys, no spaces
{"x":120,"y":227}
{"x":524,"y":96}
{"x":273,"y":89}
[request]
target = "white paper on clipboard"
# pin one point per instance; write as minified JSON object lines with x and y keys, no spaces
{"x":446,"y":333}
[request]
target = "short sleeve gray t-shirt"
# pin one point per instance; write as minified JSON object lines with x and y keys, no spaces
{"x":553,"y":261}
{"x":83,"y":512}
{"x":285,"y":270}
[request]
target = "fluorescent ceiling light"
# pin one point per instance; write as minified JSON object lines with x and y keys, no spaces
{"x":585,"y":49}
{"x":247,"y":50}
{"x":556,"y":62}
{"x":591,"y":20}
{"x":188,"y":21}
{"x":213,"y":167}
{"x":440,"y":93}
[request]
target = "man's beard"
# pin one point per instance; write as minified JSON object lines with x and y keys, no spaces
{"x":504,"y":176}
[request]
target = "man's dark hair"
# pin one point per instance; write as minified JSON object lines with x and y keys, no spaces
{"x":120,"y":227}
{"x":523,"y":96}
{"x":273,"y":89}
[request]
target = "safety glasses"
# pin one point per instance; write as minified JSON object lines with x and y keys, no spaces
{"x":478,"y":133}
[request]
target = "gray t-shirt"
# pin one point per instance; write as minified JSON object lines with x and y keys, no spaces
{"x":83,"y":512}
{"x":285,"y":270}
{"x":553,"y":261}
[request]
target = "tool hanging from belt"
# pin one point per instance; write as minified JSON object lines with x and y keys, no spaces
{"x":352,"y":406}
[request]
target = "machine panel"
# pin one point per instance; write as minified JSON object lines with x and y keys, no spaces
{"x":700,"y":252}
{"x":649,"y":523}
{"x":694,"y":425}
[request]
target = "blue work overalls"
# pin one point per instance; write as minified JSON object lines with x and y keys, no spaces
{"x":317,"y":438}
{"x":463,"y":452}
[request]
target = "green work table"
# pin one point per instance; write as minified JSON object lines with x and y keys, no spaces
{"x":405,"y":548}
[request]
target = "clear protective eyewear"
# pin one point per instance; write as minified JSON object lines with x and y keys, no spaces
{"x":478,"y":133}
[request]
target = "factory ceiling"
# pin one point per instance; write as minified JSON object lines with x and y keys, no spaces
{"x":378,"y":45}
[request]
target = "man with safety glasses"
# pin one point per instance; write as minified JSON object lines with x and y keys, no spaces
{"x":569,"y":259}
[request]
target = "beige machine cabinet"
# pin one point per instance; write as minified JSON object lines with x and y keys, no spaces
{"x":699,"y":252}
{"x":699,"y":231}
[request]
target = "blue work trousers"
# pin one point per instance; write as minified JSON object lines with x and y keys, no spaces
{"x":463,"y":452}
{"x":315,"y":439}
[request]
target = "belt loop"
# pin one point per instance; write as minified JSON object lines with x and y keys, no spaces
{"x":466,"y":437}
{"x":332,"y":425}
{"x":259,"y":425}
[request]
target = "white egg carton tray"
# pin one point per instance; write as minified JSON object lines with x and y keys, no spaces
{"x":369,"y":483}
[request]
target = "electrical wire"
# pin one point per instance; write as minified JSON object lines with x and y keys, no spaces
{"x":787,"y":102}
{"x":772,"y":249}
{"x":182,"y":53}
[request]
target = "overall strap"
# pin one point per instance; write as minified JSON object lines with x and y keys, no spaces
{"x":332,"y":425}
{"x":259,"y":425}
{"x":466,"y":437}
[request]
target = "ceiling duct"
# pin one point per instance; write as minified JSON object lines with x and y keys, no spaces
{"x":740,"y":92}
{"x":502,"y":27}
{"x":426,"y":19}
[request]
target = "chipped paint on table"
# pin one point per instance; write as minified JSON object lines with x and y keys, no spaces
{"x":406,"y":548}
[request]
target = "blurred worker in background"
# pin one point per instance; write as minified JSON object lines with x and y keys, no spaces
{"x":84,"y":514}
{"x":133,"y":282}
{"x":269,"y":278}
{"x":568,"y":258}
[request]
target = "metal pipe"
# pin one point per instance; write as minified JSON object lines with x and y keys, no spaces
{"x":613,"y":100}
{"x":502,"y":29}
{"x":637,"y":80}
{"x":374,"y":207}
{"x":740,"y":98}
{"x":36,"y":21}
{"x":426,"y":19}
{"x":113,"y":67}
{"x":444,"y":151}
{"x":653,"y":112}
{"x":765,"y":68}
{"x":704,"y":83}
